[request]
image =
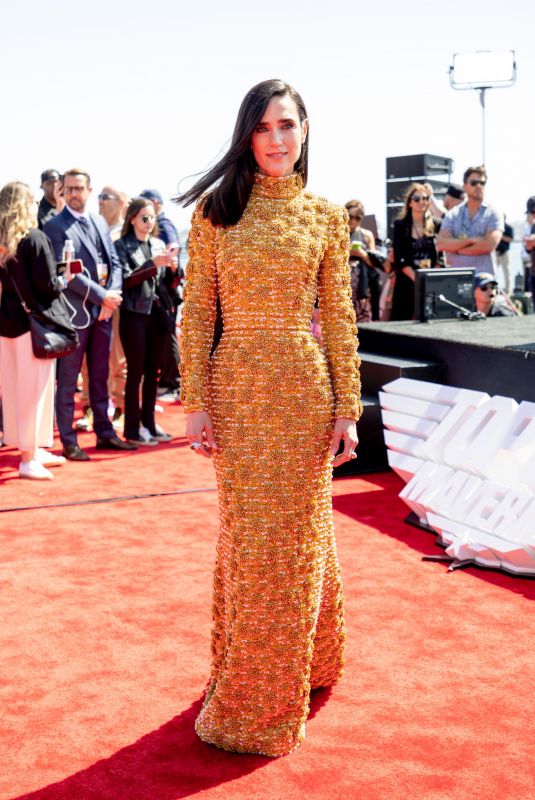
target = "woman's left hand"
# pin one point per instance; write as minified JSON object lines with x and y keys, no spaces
{"x":344,"y":430}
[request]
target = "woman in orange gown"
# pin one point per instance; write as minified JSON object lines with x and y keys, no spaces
{"x":271,"y":407}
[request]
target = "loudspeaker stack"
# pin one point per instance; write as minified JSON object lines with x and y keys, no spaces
{"x":401,"y":171}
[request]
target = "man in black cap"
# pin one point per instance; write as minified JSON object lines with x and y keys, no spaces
{"x":166,"y":230}
{"x":52,"y":201}
{"x":454,"y":195}
{"x":529,"y":243}
{"x":485,"y":296}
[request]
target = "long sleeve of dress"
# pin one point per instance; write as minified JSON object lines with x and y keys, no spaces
{"x":199,"y":313}
{"x":338,"y":323}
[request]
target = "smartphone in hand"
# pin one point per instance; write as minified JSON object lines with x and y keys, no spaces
{"x":76,"y":266}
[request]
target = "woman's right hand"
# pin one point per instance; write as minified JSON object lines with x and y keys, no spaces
{"x":200,"y":432}
{"x":161,"y":260}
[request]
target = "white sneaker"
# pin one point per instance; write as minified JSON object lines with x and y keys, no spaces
{"x":168,"y":397}
{"x":35,"y":471}
{"x":49,"y":459}
{"x":85,"y":423}
{"x":118,"y":424}
{"x":144,"y":434}
{"x":161,"y":435}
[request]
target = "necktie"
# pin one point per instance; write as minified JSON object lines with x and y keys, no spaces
{"x":90,"y":231}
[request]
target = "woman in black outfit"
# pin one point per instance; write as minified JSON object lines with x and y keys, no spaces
{"x":27,"y":271}
{"x":415,"y":235}
{"x":144,"y":316}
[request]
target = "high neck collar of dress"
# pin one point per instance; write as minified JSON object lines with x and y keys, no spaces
{"x":286,"y":187}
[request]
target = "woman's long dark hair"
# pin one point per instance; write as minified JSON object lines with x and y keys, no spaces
{"x":133,"y":210}
{"x":225,"y":203}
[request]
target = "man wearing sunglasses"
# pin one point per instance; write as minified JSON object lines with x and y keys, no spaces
{"x":471,"y":231}
{"x":91,"y":295}
{"x":486,"y":297}
{"x":112,"y":205}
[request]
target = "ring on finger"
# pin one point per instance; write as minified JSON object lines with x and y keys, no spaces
{"x":195,"y":445}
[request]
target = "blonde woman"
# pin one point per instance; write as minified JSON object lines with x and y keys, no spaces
{"x":28,"y":266}
{"x":415,"y":235}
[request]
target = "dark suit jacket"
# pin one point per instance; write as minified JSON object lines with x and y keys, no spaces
{"x":65,"y":226}
{"x":139,"y":296}
{"x":34,"y":272}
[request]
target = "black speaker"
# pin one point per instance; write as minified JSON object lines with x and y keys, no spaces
{"x":395,"y":190}
{"x":369,"y":223}
{"x":419,"y":166}
{"x":392,"y":213}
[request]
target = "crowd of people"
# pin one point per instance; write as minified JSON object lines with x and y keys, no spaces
{"x":274,"y":410}
{"x":113,"y":278}
{"x":124,"y":302}
{"x":462,"y":231}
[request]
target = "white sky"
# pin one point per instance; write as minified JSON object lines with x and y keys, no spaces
{"x":144,"y":94}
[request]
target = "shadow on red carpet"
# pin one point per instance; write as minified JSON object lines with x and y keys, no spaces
{"x":166,"y":764}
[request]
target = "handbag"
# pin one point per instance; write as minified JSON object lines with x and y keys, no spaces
{"x":49,"y":339}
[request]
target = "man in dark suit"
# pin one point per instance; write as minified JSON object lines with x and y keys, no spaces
{"x":91,"y":296}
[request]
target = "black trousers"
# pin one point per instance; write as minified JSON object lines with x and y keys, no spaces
{"x":142,"y":338}
{"x":169,"y":374}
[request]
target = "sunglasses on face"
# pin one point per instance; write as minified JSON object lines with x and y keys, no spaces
{"x":417,"y":198}
{"x":354,"y":216}
{"x":489,"y":287}
{"x":148,"y":218}
{"x":105,"y":196}
{"x":477,"y":183}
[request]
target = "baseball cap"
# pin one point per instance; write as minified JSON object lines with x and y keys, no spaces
{"x":49,"y":174}
{"x":530,"y":205}
{"x":483,"y":278}
{"x":455,"y":191}
{"x":152,"y":194}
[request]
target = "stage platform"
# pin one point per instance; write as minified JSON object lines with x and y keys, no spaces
{"x":496,"y":355}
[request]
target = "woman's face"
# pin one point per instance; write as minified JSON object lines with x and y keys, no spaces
{"x":419,"y":201}
{"x":355,"y":219}
{"x":143,"y":222}
{"x":279,"y":137}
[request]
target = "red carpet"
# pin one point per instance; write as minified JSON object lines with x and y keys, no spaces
{"x":105,"y":619}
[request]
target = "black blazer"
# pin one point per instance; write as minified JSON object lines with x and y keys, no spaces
{"x":34,"y":271}
{"x":144,"y":284}
{"x":402,"y":244}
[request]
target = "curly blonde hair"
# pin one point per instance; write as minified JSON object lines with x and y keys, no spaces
{"x":18,"y":215}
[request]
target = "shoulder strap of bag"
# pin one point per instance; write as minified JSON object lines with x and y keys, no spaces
{"x":25,"y":307}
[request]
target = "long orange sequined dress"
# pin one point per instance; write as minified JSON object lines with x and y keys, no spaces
{"x":273,"y":395}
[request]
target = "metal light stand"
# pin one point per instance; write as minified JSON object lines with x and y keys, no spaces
{"x":482,"y":87}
